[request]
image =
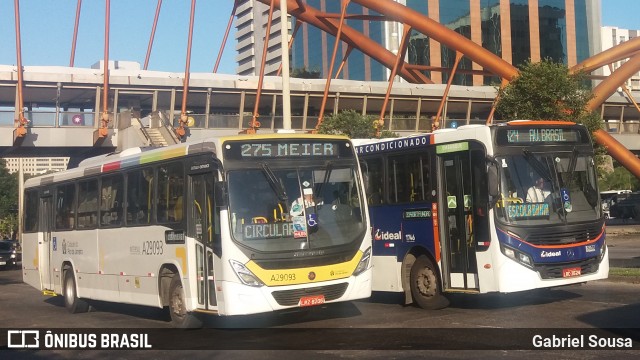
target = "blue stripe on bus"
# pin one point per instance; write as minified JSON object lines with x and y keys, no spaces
{"x":548,"y":254}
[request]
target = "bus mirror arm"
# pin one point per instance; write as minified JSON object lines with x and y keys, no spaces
{"x":220,"y":191}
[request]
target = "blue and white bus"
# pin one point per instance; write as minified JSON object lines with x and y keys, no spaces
{"x":456,"y":210}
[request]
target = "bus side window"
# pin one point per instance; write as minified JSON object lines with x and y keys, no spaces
{"x":170,"y":191}
{"x":65,"y":203}
{"x":374,"y":179}
{"x":139,"y":196}
{"x":407,"y":178}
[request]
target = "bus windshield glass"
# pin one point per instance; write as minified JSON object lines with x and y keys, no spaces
{"x":547,"y":188}
{"x":278,"y":208}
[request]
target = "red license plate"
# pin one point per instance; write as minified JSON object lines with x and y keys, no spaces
{"x":569,"y":272}
{"x":311,"y":300}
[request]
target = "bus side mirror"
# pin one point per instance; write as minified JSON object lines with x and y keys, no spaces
{"x":492,"y":180}
{"x":220,"y":194}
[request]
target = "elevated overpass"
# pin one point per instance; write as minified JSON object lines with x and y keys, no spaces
{"x":63,"y":105}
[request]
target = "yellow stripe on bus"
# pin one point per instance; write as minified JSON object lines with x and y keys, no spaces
{"x":181,"y":253}
{"x":305,"y":275}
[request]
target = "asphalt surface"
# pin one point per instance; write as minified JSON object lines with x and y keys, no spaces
{"x":623,"y":241}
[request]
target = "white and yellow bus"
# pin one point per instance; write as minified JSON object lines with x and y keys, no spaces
{"x":231,"y":225}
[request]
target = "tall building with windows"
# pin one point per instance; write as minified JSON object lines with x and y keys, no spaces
{"x":37,"y":165}
{"x":566,"y":31}
{"x":251,"y":28}
{"x":612,"y":36}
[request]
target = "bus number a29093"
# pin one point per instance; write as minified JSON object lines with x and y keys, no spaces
{"x":283,"y":277}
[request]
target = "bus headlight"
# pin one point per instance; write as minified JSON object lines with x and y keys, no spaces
{"x":364,"y":263}
{"x":603,"y":250}
{"x":517,"y":256}
{"x":245,"y":275}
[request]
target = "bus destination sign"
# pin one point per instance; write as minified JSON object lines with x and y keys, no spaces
{"x":539,"y":135}
{"x":294,"y":148}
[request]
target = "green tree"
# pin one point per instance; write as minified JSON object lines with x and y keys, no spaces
{"x":352,"y":124}
{"x":8,"y":195}
{"x":619,"y":179}
{"x":304,"y":73}
{"x":547,"y":91}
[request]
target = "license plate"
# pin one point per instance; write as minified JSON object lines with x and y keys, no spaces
{"x":569,"y":272}
{"x":311,"y":300}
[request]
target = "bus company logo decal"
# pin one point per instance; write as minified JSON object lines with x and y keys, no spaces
{"x":546,"y":254}
{"x":379,"y":235}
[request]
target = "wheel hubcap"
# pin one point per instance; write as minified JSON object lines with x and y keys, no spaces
{"x":177,"y":302}
{"x":426,"y":283}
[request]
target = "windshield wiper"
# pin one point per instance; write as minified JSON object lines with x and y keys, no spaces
{"x":275,"y":184}
{"x":327,"y":175}
{"x":572,"y":165}
{"x":536,"y":164}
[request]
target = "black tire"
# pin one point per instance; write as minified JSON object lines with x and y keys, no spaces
{"x":72,"y":302}
{"x":180,"y":318}
{"x":425,"y":286}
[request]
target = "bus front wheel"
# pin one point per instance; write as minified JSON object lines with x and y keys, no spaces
{"x":71,"y":300}
{"x":180,"y":317}
{"x":425,"y":287}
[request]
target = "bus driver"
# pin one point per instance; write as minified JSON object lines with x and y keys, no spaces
{"x":537,"y":193}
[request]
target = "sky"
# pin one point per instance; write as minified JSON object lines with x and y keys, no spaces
{"x":47,"y":32}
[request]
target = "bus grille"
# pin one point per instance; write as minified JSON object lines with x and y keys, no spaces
{"x":554,"y":271}
{"x":292,"y":297}
{"x":556,"y":237}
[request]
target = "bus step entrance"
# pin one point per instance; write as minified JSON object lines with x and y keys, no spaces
{"x":48,"y":292}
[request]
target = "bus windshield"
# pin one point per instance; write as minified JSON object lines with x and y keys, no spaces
{"x":286,"y":208}
{"x":547,"y":188}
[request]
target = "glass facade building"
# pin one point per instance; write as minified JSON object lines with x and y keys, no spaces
{"x":564,"y":31}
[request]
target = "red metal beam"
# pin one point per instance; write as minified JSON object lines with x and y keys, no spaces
{"x":105,"y":95}
{"x":345,"y":3}
{"x":226,"y":36}
{"x":442,"y":34}
{"x":21,"y":131}
{"x":459,"y":55}
{"x":344,"y":61}
{"x":185,"y":89}
{"x":254,"y":125}
{"x":75,"y":34}
{"x":153,"y":34}
{"x":378,"y":125}
{"x":293,"y":36}
{"x":352,"y":37}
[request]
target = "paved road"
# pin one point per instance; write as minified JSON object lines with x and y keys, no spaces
{"x":623,"y":240}
{"x":375,"y":328}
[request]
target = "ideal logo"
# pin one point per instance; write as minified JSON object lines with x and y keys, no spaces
{"x":550,"y":253}
{"x":387,"y":235}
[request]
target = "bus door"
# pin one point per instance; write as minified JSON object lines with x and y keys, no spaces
{"x":201,"y":226}
{"x":460,"y":270}
{"x":46,"y":244}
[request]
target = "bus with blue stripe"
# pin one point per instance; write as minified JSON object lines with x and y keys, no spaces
{"x":229,"y":226}
{"x":477,"y":209}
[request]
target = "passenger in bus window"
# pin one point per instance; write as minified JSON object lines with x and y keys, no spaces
{"x":536,"y":192}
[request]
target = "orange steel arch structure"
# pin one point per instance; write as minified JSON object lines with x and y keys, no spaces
{"x":393,"y":11}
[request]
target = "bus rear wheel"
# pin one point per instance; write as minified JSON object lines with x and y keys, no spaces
{"x":180,"y":317}
{"x":71,"y":300}
{"x":425,"y":287}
